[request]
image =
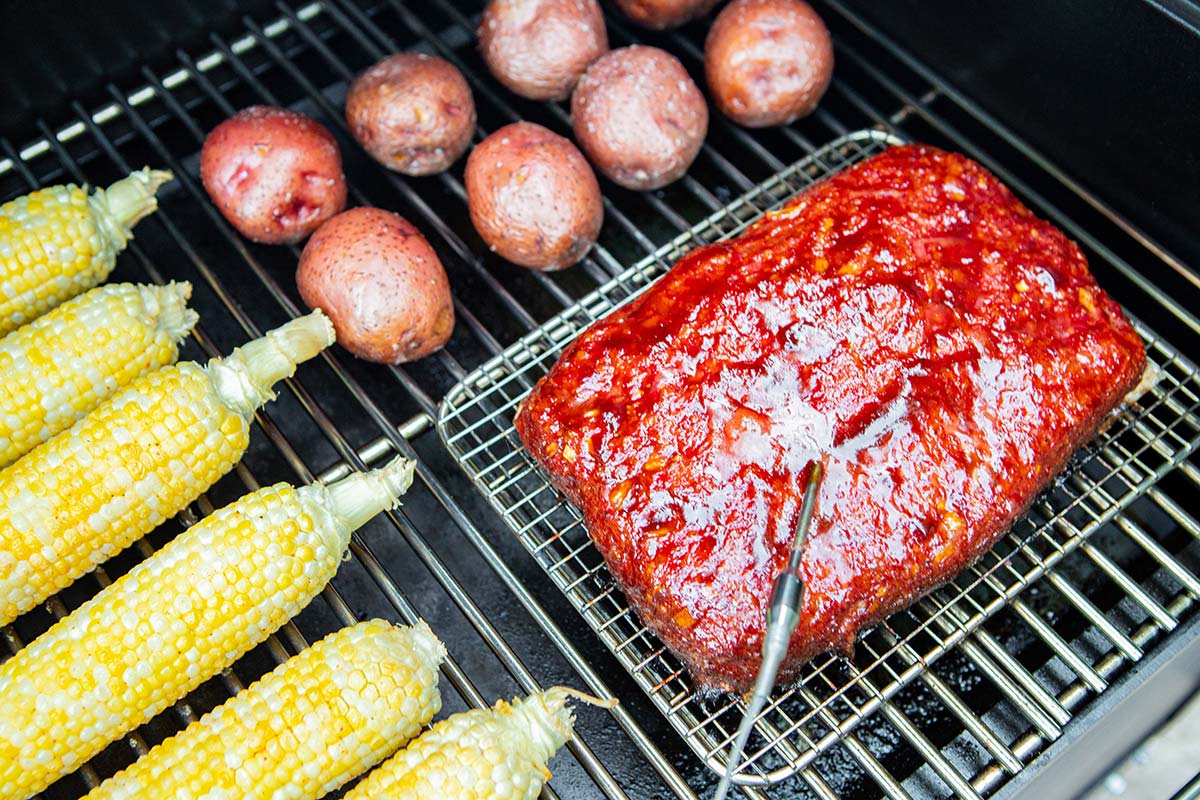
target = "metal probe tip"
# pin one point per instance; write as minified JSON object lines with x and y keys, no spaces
{"x":783,"y":615}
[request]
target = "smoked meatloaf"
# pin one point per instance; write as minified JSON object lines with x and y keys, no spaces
{"x":909,"y":322}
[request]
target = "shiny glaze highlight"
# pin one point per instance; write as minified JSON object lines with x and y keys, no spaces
{"x":909,"y":322}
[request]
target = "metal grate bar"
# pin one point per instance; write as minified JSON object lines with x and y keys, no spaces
{"x":57,"y":608}
{"x":305,"y":49}
{"x":611,"y":211}
{"x":988,"y":778}
{"x":1095,"y":616}
{"x":106,"y":114}
{"x":1060,"y":646}
{"x":944,"y":769}
{"x":611,"y":787}
{"x":472,"y":430}
{"x":1016,"y":184}
{"x":861,"y":754}
{"x":1161,"y":556}
{"x":1027,"y":151}
{"x":456,"y":675}
{"x":946,"y":695}
{"x":364,"y":555}
{"x":1131,"y":587}
{"x":1026,"y":680}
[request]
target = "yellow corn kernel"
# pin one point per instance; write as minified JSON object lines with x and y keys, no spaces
{"x":495,"y":753}
{"x":65,"y":363}
{"x":58,"y":242}
{"x":318,"y":720}
{"x":175,"y":620}
{"x":134,"y":461}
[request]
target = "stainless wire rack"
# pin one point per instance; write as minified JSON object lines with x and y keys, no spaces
{"x":834,"y":693}
{"x":1018,"y":672}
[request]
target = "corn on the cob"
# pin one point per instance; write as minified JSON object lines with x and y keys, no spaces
{"x":65,"y":363}
{"x":182,"y":615}
{"x":319,"y":719}
{"x":59,"y":241}
{"x":497,"y":753}
{"x":137,"y":459}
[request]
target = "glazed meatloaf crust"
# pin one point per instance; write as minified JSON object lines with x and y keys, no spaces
{"x":909,"y":322}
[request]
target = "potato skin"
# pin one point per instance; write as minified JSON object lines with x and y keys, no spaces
{"x":540,"y":48}
{"x":533,"y":197}
{"x":276,"y":175}
{"x":414,"y":113}
{"x":639,"y":117}
{"x":381,"y":283}
{"x":767,"y":62}
{"x":662,"y":14}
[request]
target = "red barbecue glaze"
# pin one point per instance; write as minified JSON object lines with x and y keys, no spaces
{"x":909,"y":321}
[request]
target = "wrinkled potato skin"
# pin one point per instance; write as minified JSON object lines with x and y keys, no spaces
{"x":276,"y":175}
{"x":662,"y":14}
{"x":767,"y":62}
{"x":381,"y":283}
{"x":414,"y":113}
{"x":533,"y":197}
{"x":639,"y":117}
{"x":540,"y":48}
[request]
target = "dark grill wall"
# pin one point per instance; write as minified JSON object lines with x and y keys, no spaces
{"x":1108,"y":90}
{"x":55,"y":51}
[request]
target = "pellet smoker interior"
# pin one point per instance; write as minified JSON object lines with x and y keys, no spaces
{"x":1027,"y":676}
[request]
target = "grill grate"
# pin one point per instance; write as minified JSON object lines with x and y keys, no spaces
{"x":964,"y":725}
{"x":834,"y":693}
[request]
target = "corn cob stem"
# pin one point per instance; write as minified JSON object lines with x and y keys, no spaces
{"x":137,"y":459}
{"x":124,"y":204}
{"x":353,"y":501}
{"x":319,"y":719}
{"x":65,"y":363}
{"x":58,"y":242}
{"x":483,"y":754}
{"x":173,"y":621}
{"x":245,"y":379}
{"x":167,"y":306}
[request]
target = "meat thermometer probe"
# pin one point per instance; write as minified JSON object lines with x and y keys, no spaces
{"x":783,"y":615}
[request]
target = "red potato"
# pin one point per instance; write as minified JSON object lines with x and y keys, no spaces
{"x":639,"y":117}
{"x":532,"y":197}
{"x":662,"y":14}
{"x":767,"y":62}
{"x":276,"y":175}
{"x":381,"y":283}
{"x":540,"y":48}
{"x":412,"y":112}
